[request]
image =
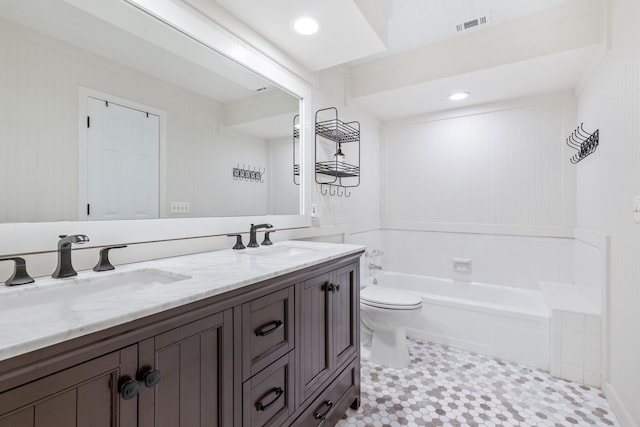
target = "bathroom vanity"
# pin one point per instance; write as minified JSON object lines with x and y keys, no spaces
{"x":267,"y":336}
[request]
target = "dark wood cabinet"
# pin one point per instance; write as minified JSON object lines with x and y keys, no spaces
{"x":329,"y":406}
{"x":85,"y":395}
{"x":328,"y":313}
{"x":267,"y":330}
{"x":193,"y":364}
{"x":283,"y":352}
{"x":268,"y":398}
{"x":345,"y":310}
{"x":314,"y":311}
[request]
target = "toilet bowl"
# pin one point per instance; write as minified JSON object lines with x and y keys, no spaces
{"x":384,"y":316}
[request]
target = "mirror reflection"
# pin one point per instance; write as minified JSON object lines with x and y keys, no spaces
{"x":98,"y":122}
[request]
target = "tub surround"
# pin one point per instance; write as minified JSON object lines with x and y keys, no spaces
{"x":204,"y":275}
{"x":575,"y":340}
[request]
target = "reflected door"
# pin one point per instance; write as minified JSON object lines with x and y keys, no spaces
{"x":123,"y":167}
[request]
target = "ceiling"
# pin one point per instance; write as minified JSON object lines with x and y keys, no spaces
{"x":404,"y":57}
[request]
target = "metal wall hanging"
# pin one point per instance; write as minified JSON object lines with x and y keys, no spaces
{"x":245,"y":173}
{"x":339,"y":170}
{"x":296,"y":149}
{"x":584,"y":142}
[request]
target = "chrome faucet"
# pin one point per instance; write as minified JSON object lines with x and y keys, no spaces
{"x":65,"y":268}
{"x":253,"y":241}
{"x":373,"y":266}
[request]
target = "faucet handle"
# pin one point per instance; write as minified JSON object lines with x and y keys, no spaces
{"x":103,"y":263}
{"x":267,"y":241}
{"x":20,"y":275}
{"x":239,"y":244}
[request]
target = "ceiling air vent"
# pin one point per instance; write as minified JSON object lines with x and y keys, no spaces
{"x":472,"y":24}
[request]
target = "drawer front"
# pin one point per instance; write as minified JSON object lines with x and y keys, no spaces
{"x":267,"y":330}
{"x":332,"y":403}
{"x":268,"y":397}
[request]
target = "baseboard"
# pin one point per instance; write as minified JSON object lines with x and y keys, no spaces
{"x":619,"y":409}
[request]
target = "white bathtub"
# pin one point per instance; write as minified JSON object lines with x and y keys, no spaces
{"x":498,"y":321}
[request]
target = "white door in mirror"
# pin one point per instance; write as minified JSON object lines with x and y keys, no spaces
{"x":123,"y":152}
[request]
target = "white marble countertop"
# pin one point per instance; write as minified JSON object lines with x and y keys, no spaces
{"x":51,"y":311}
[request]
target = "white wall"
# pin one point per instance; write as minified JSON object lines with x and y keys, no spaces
{"x":515,"y":261}
{"x":492,"y":184}
{"x":501,"y":165}
{"x":607,"y":181}
{"x":360,"y":211}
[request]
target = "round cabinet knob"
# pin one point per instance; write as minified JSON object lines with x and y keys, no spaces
{"x":151,"y":378}
{"x":129,"y":389}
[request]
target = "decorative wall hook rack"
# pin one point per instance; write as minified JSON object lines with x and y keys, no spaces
{"x":337,"y":153}
{"x":251,"y":174}
{"x":334,"y":190}
{"x":584,"y":142}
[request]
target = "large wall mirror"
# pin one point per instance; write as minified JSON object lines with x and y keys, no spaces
{"x":137,"y":120}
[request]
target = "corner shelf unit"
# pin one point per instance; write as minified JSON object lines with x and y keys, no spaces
{"x":337,"y":153}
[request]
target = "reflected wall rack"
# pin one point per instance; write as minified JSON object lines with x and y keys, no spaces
{"x":337,"y":153}
{"x":296,"y":149}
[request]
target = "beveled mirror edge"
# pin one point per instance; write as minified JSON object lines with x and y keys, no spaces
{"x":26,"y":238}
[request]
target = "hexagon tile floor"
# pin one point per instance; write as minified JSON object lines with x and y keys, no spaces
{"x":445,"y":386}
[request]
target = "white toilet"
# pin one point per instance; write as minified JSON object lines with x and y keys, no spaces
{"x":385,"y":314}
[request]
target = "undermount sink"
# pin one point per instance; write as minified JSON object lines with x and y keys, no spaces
{"x":282,"y":251}
{"x":92,"y":290}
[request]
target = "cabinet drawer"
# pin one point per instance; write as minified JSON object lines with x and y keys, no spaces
{"x":267,"y":330}
{"x":332,"y":403}
{"x":267,"y":398}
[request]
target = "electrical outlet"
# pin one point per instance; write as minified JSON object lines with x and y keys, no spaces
{"x":180,"y":207}
{"x":314,"y":210}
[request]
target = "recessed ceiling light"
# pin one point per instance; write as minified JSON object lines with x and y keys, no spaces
{"x":459,"y":96}
{"x":306,"y":25}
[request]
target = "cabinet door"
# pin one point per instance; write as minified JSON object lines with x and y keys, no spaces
{"x":314,"y":364}
{"x":195,"y":369}
{"x":345,"y":315}
{"x":85,"y":395}
{"x":329,"y":326}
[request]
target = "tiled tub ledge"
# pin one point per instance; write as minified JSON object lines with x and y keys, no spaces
{"x":575,"y":332}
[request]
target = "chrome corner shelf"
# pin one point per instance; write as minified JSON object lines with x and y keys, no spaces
{"x":336,"y":170}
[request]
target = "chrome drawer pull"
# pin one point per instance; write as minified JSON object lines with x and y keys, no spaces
{"x":263,"y":332}
{"x":261,"y":407}
{"x":321,"y":417}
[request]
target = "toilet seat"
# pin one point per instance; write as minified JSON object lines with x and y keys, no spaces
{"x":391,"y":299}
